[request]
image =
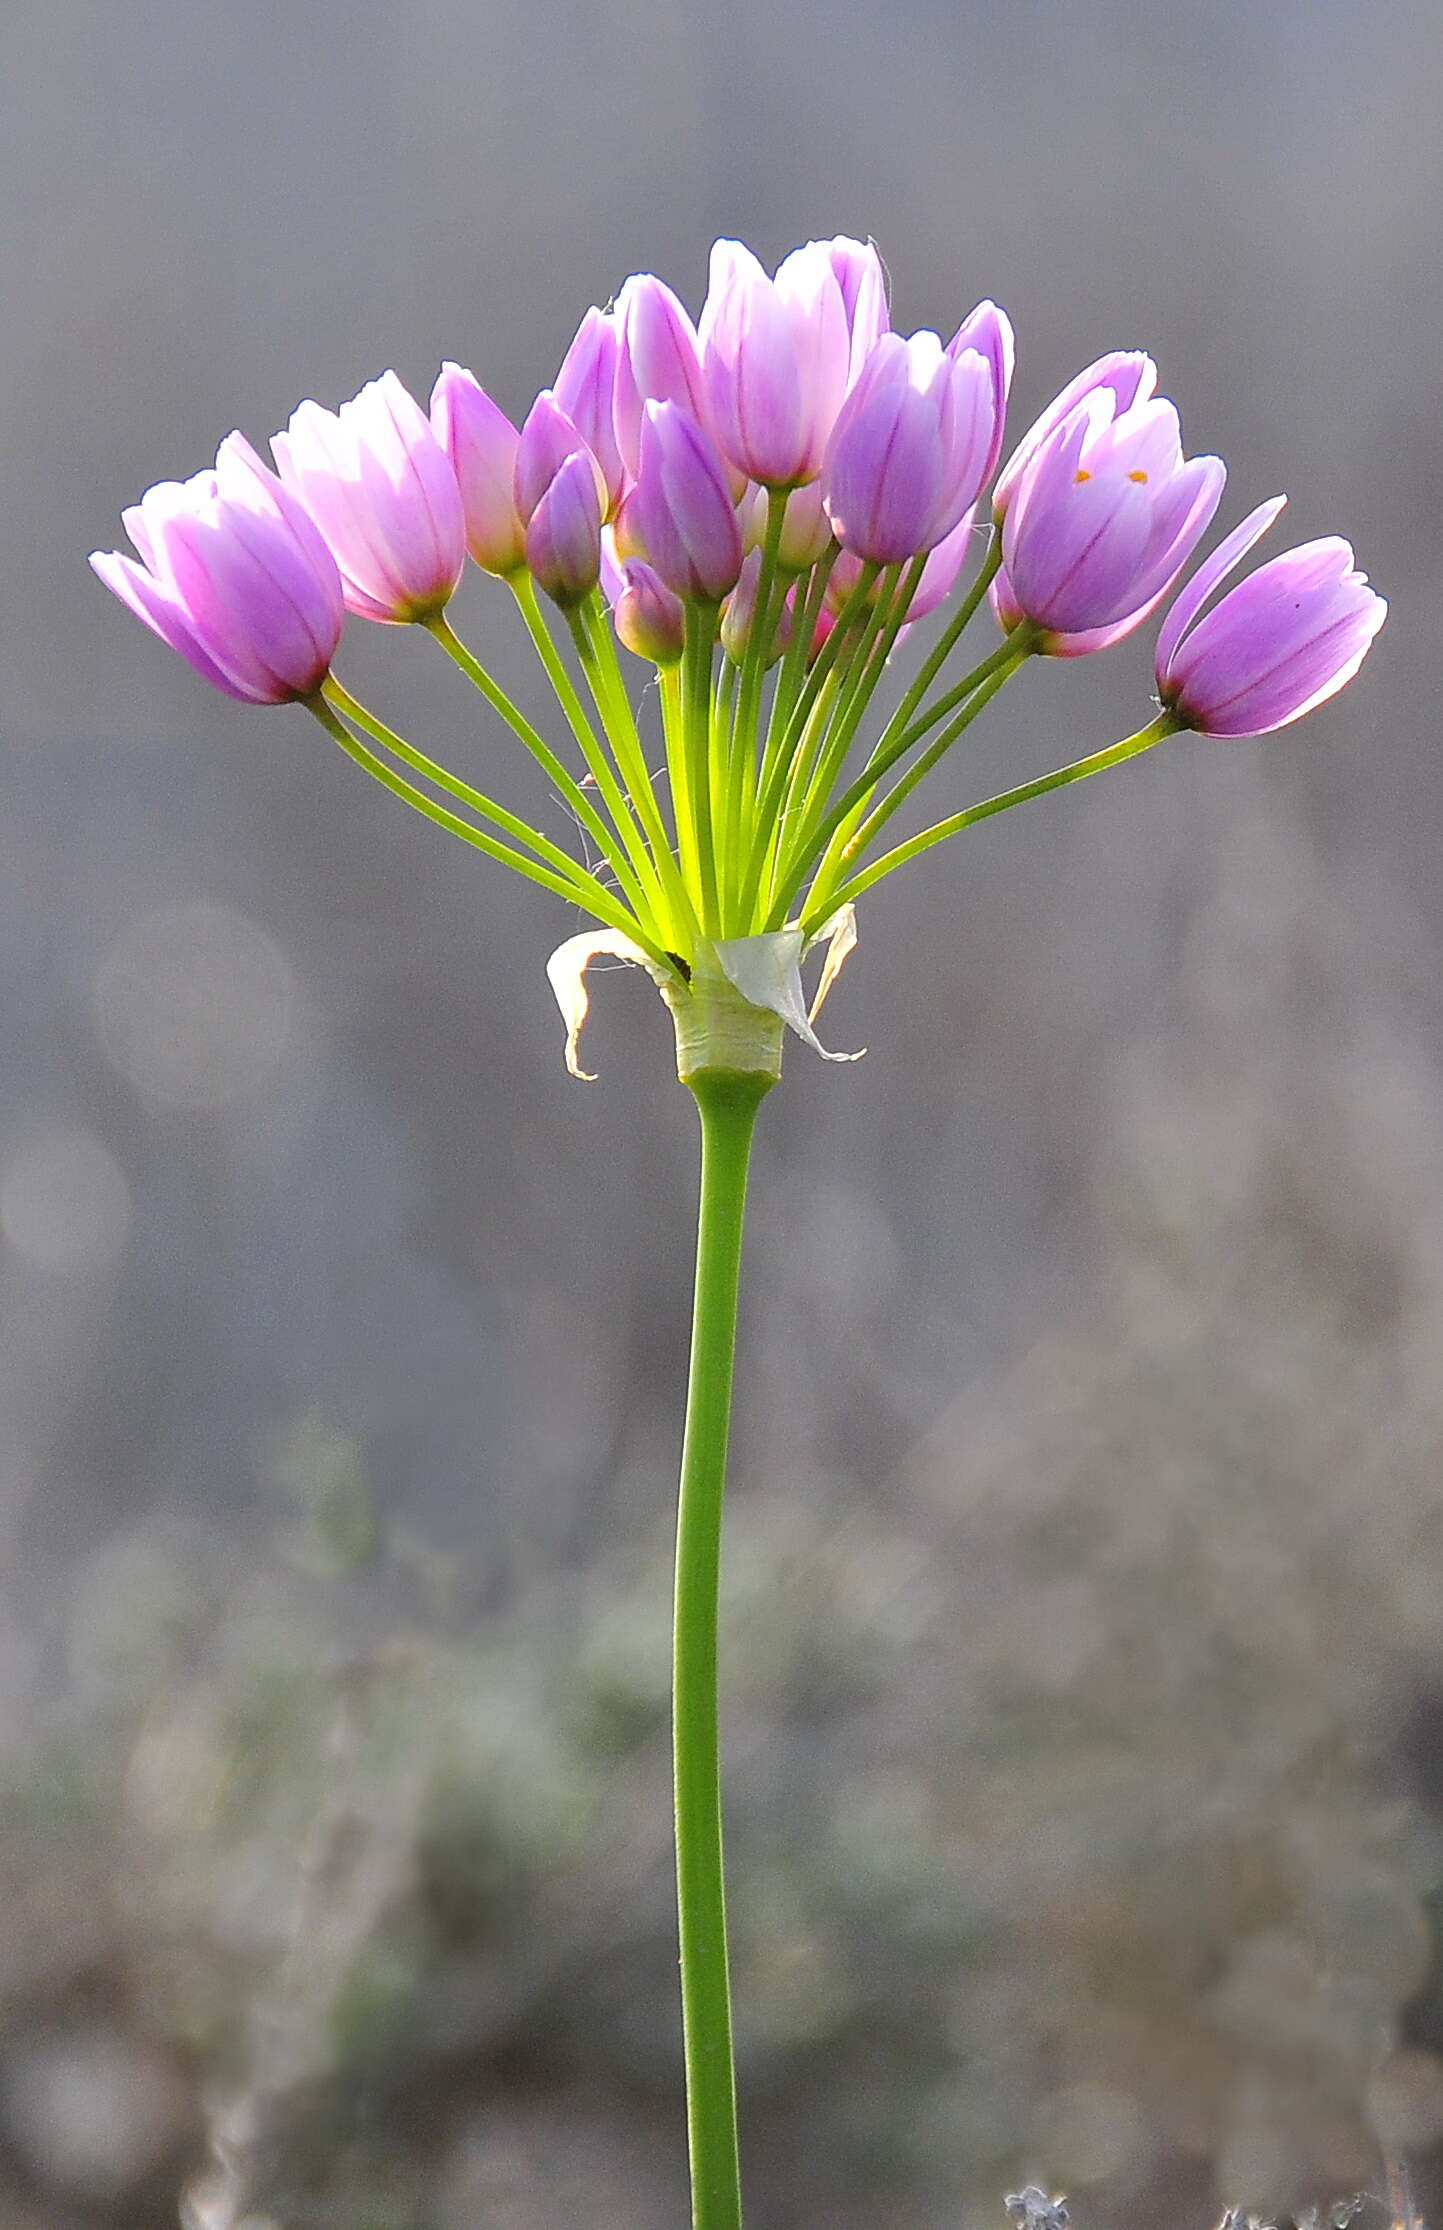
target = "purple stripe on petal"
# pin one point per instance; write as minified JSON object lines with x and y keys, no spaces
{"x":1210,"y":574}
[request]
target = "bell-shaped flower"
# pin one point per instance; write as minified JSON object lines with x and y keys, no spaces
{"x":382,"y":490}
{"x":1282,"y":642}
{"x":776,"y":355}
{"x":806,"y":529}
{"x":548,"y":440}
{"x":235,"y":576}
{"x":862,"y":278}
{"x":648,"y":618}
{"x":1101,"y":524}
{"x":658,"y":361}
{"x":680,"y":514}
{"x":586,"y":390}
{"x":988,"y":331}
{"x":481,"y":442}
{"x":1126,"y":375}
{"x":911,"y":448}
{"x":563,"y":533}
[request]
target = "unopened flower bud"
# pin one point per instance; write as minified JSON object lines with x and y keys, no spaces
{"x":912,"y":447}
{"x":648,"y":618}
{"x":739,"y":615}
{"x":563,"y":534}
{"x":776,"y":355}
{"x":586,"y":391}
{"x":681,"y":507}
{"x":481,"y":443}
{"x":658,"y":361}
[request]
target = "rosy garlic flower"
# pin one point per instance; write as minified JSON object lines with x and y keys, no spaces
{"x":1278,"y":645}
{"x":383,"y":492}
{"x":1126,"y":375}
{"x":658,"y":361}
{"x":776,"y":358}
{"x":862,"y":280}
{"x":586,"y":390}
{"x":648,"y":618}
{"x":911,"y":448}
{"x":481,"y":443}
{"x":760,"y":506}
{"x":235,"y":576}
{"x":1101,"y":522}
{"x":681,"y":508}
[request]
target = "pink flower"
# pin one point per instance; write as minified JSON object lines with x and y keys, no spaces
{"x":1101,"y":523}
{"x":480,"y":441}
{"x":548,"y":439}
{"x":563,"y":533}
{"x":862,"y":278}
{"x":647,"y":617}
{"x":1126,"y":375}
{"x":680,"y":514}
{"x":658,"y":361}
{"x":586,"y":390}
{"x":911,"y":448}
{"x":1282,"y":642}
{"x":381,"y":489}
{"x":988,"y":330}
{"x":235,"y":576}
{"x":739,"y":615}
{"x":776,"y":357}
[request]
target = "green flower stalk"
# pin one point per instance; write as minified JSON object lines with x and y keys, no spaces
{"x":759,"y":507}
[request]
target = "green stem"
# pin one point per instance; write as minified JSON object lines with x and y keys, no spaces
{"x":946,"y":642}
{"x":814,"y":823}
{"x":1166,"y":724}
{"x":593,"y":896}
{"x":776,"y":779}
{"x":362,"y":717}
{"x":879,"y":815}
{"x":566,"y":783}
{"x":793,"y":670}
{"x":608,"y":691}
{"x":635,"y":869}
{"x":884,"y":756}
{"x":742,"y":774}
{"x":696,"y":712}
{"x":727,"y":1100}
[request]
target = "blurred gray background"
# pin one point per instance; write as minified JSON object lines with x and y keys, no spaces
{"x":1085,"y":1654}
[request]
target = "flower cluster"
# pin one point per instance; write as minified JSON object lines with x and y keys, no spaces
{"x":781,"y":489}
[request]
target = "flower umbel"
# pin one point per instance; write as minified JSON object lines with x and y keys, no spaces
{"x":761,"y":507}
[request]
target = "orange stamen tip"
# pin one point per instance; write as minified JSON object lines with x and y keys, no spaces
{"x":1083,"y":474}
{"x":1137,"y":476}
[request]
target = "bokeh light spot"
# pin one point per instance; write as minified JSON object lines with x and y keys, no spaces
{"x":194,"y":1005}
{"x":64,"y":1202}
